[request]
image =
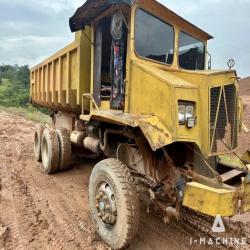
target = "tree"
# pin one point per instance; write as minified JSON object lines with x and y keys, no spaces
{"x":24,"y":76}
{"x":15,"y":91}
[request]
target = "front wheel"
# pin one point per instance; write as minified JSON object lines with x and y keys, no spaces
{"x":114,"y":203}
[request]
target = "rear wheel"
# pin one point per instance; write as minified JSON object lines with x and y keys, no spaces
{"x":64,"y":147}
{"x":50,"y":151}
{"x":37,"y":141}
{"x":114,"y":203}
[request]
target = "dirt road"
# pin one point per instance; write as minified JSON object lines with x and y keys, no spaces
{"x":51,"y":212}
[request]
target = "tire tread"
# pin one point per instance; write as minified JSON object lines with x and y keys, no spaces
{"x":50,"y":136}
{"x":65,"y":148}
{"x":122,"y":172}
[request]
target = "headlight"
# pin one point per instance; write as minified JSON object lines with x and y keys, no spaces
{"x":189,"y":111}
{"x":182,"y":112}
{"x":186,"y":114}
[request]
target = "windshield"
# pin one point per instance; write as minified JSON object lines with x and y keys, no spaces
{"x":154,"y":39}
{"x":191,"y":52}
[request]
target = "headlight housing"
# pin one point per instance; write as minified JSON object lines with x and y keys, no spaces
{"x":186,"y":114}
{"x":182,"y":114}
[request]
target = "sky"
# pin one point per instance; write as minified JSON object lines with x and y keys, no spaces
{"x":32,"y":30}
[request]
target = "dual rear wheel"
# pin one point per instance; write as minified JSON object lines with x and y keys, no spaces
{"x":53,"y":148}
{"x":113,"y":199}
{"x":37,"y":141}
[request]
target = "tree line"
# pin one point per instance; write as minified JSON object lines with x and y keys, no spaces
{"x":14,"y":85}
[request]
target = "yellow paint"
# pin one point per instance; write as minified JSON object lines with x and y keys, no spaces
{"x":232,"y":161}
{"x":152,"y":89}
{"x":60,"y":80}
{"x":153,"y":129}
{"x":105,"y":105}
{"x":209,"y":200}
{"x":151,"y":100}
{"x":245,"y":203}
{"x":246,"y":156}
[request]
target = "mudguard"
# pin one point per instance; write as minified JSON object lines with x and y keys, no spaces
{"x":153,"y":129}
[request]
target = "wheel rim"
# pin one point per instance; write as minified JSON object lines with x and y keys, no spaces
{"x":106,"y":204}
{"x":45,"y":153}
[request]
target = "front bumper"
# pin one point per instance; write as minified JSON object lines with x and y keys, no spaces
{"x":213,"y":202}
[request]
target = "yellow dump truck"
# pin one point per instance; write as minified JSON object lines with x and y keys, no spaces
{"x":135,"y":89}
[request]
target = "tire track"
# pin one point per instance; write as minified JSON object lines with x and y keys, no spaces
{"x":8,"y":217}
{"x":68,"y":229}
{"x":36,"y":197}
{"x":56,"y":240}
{"x":24,"y":219}
{"x":51,"y":212}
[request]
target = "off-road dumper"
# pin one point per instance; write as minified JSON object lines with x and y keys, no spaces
{"x":135,"y":89}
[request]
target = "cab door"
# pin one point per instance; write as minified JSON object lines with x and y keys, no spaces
{"x":110,"y":46}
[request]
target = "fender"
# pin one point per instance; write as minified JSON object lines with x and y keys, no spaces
{"x":156,"y":133}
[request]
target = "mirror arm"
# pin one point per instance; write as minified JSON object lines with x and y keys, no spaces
{"x":209,"y":61}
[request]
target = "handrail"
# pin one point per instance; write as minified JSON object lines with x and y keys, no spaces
{"x":90,"y":97}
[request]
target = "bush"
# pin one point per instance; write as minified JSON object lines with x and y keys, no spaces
{"x":14,"y":87}
{"x":12,"y":94}
{"x":20,"y":74}
{"x":29,"y":113}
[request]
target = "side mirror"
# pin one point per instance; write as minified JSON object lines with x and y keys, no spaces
{"x":230,"y":63}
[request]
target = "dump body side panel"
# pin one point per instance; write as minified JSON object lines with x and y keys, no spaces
{"x":59,"y":82}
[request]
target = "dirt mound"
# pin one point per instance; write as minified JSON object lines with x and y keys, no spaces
{"x":245,"y":86}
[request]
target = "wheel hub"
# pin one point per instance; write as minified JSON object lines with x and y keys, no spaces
{"x":106,"y":204}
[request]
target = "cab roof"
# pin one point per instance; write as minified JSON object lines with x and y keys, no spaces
{"x":90,"y":10}
{"x":93,"y":8}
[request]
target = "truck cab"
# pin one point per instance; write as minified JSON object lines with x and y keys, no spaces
{"x":120,"y":38}
{"x":152,"y":64}
{"x":136,"y":89}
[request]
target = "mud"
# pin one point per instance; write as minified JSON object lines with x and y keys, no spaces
{"x":38,"y":211}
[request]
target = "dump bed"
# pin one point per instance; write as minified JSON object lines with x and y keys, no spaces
{"x":59,"y":82}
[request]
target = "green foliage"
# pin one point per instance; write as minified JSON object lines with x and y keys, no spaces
{"x":14,"y":91}
{"x":14,"y":85}
{"x":20,"y":74}
{"x":29,"y":113}
{"x":13,"y":94}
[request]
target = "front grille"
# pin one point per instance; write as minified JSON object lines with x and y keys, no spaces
{"x":223,"y":118}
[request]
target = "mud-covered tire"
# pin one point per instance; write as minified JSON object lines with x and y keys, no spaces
{"x":64,"y":148}
{"x":117,"y":175}
{"x":37,"y":141}
{"x":50,"y":151}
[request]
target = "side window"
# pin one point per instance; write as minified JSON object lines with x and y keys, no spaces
{"x":154,"y":39}
{"x":191,"y":52}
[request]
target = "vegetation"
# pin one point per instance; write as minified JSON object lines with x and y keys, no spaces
{"x":14,"y":85}
{"x":14,"y":93}
{"x":29,"y":113}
